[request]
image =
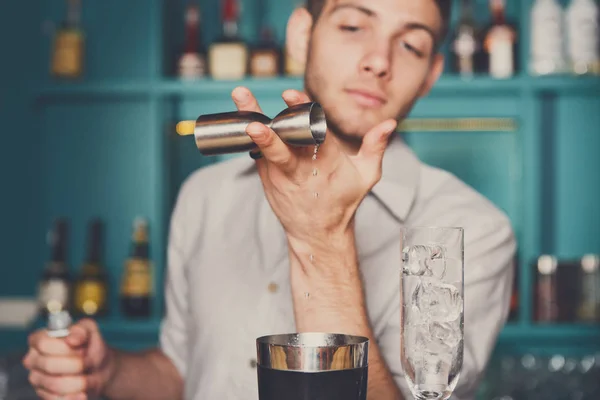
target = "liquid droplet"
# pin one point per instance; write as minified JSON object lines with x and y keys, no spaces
{"x":306,"y":295}
{"x":314,"y":157}
{"x":311,"y":258}
{"x":315,"y":172}
{"x":316,"y":195}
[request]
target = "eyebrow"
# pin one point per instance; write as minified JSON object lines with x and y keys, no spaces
{"x":370,"y":13}
{"x":363,"y":10}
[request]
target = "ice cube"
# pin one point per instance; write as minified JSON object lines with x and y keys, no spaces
{"x":425,"y":260}
{"x":445,"y":333}
{"x":415,"y":260}
{"x":436,"y":263}
{"x":441,"y":302}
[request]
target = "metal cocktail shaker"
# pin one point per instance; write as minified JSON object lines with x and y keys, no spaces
{"x":299,"y":125}
{"x":312,"y":366}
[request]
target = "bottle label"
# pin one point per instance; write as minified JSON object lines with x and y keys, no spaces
{"x":264,"y":64}
{"x":228,"y":60}
{"x":501,"y":53}
{"x":68,"y":51}
{"x":138,"y":279}
{"x":90,"y":297}
{"x":54,"y":295}
{"x":192,"y":65}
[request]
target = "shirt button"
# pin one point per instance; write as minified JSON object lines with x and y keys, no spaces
{"x":273,"y":287}
{"x":252,"y":363}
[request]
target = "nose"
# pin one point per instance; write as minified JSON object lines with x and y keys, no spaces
{"x":377,"y":61}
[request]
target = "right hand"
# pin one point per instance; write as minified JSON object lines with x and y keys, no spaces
{"x":70,"y":368}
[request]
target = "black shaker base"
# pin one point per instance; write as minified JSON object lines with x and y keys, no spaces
{"x":349,"y":384}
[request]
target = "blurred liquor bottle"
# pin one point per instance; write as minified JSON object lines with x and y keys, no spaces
{"x":583,"y":37}
{"x":55,"y":285}
{"x":546,"y":299}
{"x":547,"y":55}
{"x":91,"y":287}
{"x":467,"y":50}
{"x":69,"y":45}
{"x":136,"y":287}
{"x":500,"y":43}
{"x":265,"y":56}
{"x":589,"y":298}
{"x":192,"y":62}
{"x":228,"y":55}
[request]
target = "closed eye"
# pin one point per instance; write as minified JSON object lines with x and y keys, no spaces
{"x":349,"y":28}
{"x":412,"y":49}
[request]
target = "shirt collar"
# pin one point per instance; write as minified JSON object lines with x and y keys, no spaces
{"x":397,"y":188}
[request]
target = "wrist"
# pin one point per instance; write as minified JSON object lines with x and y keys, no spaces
{"x":109,"y":370}
{"x":322,"y":249}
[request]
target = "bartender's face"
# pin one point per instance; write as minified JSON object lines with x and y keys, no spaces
{"x":367,"y":60}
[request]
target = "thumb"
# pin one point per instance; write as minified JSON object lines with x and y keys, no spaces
{"x":376,"y":140}
{"x":80,"y":333}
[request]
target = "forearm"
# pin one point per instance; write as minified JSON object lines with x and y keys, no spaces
{"x":328,"y":297}
{"x":148,"y":376}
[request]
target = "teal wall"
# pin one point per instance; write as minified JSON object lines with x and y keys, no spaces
{"x":105,"y":146}
{"x":20,"y":149}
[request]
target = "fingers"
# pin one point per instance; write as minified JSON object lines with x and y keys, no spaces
{"x":50,"y":346}
{"x":46,"y":395}
{"x":244,"y":100}
{"x":293,"y":97}
{"x":54,"y":387}
{"x":376,"y":140}
{"x":271,"y":146}
{"x":54,"y":365}
{"x":81,"y":332}
{"x":370,"y":155}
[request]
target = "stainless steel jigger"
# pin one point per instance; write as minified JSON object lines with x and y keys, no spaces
{"x":299,"y":125}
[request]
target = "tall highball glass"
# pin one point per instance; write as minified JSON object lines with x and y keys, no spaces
{"x":432,"y":312}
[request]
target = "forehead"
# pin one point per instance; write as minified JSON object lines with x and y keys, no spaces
{"x":396,"y":12}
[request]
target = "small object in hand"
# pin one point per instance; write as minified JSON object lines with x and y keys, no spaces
{"x":58,"y":324}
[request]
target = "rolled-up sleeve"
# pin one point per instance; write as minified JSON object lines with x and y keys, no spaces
{"x":174,"y":327}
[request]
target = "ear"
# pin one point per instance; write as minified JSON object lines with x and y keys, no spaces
{"x":298,"y":34}
{"x":435,"y":71}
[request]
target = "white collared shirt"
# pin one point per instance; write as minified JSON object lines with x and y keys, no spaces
{"x":227,"y":279}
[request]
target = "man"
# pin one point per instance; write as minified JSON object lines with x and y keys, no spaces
{"x":268,"y":246}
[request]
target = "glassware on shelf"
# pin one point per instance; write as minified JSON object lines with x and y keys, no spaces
{"x":432,"y":312}
{"x":532,"y":376}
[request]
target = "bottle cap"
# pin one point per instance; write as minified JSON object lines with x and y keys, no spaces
{"x":58,"y":324}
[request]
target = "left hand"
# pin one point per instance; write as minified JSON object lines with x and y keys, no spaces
{"x":342,"y":180}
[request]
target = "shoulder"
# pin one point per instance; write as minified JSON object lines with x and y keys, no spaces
{"x":211,"y":193}
{"x":210,"y":180}
{"x":443,"y":196}
{"x":445,"y":200}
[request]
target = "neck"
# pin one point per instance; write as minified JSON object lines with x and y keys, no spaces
{"x":350,"y":146}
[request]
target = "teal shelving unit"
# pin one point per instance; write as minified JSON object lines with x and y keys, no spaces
{"x":106,"y":146}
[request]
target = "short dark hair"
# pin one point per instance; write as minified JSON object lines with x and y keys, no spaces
{"x":315,"y":8}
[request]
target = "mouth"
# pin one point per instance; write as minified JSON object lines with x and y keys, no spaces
{"x":367,"y":98}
